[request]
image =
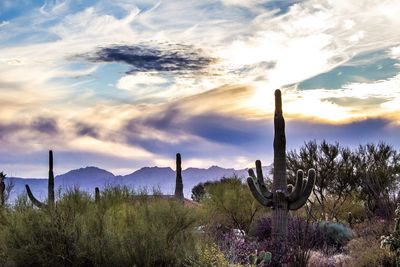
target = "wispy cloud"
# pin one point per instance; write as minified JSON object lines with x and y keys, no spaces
{"x":195,"y":76}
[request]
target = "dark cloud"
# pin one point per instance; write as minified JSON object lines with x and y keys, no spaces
{"x":39,"y":124}
{"x":45,"y":125}
{"x":6,"y":129}
{"x":142,"y":58}
{"x":83,"y":129}
{"x":217,"y":135}
{"x":204,"y":134}
{"x":221,"y":135}
{"x":228,"y":129}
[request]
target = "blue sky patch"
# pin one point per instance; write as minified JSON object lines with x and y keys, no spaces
{"x":367,"y":68}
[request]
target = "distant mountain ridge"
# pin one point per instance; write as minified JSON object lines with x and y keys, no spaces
{"x":149,"y":178}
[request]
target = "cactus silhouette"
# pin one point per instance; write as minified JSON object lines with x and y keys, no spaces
{"x":96,"y":195}
{"x":50,"y":200}
{"x":283,"y":197}
{"x":179,"y":183}
{"x":2,"y":189}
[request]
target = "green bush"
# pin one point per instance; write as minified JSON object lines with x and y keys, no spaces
{"x":230,"y":204}
{"x":124,"y":229}
{"x":336,"y":234}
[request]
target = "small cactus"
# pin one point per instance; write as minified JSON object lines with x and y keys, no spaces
{"x":50,"y":187}
{"x":96,"y":195}
{"x":261,"y":258}
{"x":283,"y":197}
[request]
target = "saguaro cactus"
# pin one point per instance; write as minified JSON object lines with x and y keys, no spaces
{"x":179,"y":183}
{"x":283,"y":197}
{"x":96,"y":195}
{"x":2,"y":189}
{"x":50,"y":187}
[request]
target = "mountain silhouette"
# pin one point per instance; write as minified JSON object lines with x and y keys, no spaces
{"x":146,"y":178}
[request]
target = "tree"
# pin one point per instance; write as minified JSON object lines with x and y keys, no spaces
{"x":336,"y":182}
{"x":230,"y":203}
{"x":198,"y":191}
{"x":378,"y":167}
{"x":5,"y":189}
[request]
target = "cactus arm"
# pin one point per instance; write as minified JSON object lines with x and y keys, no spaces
{"x":50,"y":187}
{"x":298,"y":186}
{"x":260,"y":179}
{"x":298,"y":203}
{"x":35,"y":202}
{"x":257,"y":195}
{"x":262,"y":188}
{"x":251,"y":174}
{"x":290,"y":188}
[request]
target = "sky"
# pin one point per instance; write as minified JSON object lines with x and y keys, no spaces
{"x":124,"y":84}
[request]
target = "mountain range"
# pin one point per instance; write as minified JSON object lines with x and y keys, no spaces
{"x":146,"y":178}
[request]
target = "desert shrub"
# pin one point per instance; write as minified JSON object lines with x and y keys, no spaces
{"x":210,"y":256}
{"x":230,"y":203}
{"x":335,"y":234}
{"x":120,"y":231}
{"x":373,"y":228}
{"x":319,"y":259}
{"x":263,"y":228}
{"x":236,"y":248}
{"x":303,"y":236}
{"x":366,"y":252}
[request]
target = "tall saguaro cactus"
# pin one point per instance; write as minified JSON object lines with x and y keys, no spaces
{"x":179,"y":183}
{"x":50,"y":187}
{"x":283,"y":197}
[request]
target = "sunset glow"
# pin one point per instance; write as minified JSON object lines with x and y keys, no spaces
{"x":126,"y":84}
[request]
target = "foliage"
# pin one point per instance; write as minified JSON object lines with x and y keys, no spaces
{"x":335,"y":234}
{"x":124,"y":229}
{"x":335,"y":171}
{"x":211,"y":256}
{"x":378,"y":167}
{"x":199,"y":191}
{"x":319,"y":259}
{"x":236,"y":247}
{"x":366,"y":251}
{"x":228,"y":202}
{"x":303,"y":237}
{"x":346,"y":177}
{"x":5,"y":189}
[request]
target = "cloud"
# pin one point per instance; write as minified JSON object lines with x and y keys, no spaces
{"x":83,"y":129}
{"x":45,"y":125}
{"x":142,"y":58}
{"x":212,"y":95}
